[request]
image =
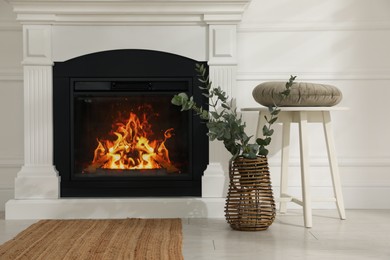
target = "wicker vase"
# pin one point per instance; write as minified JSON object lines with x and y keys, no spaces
{"x":250,"y":204}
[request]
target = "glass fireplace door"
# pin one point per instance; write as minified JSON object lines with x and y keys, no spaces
{"x":128,"y":134}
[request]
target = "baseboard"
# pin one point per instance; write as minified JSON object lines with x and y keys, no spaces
{"x":354,"y":197}
{"x":115,"y":208}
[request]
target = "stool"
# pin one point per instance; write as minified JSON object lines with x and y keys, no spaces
{"x":303,"y":116}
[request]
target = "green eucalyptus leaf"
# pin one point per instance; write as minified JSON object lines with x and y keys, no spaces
{"x":227,"y":134}
{"x":179,"y":99}
{"x":250,"y":150}
{"x":204,"y":115}
{"x":224,"y":105}
{"x":267,"y":141}
{"x":176,"y":101}
{"x":263,"y":152}
{"x":273,"y":120}
{"x":183,"y":95}
{"x":232,"y":147}
{"x":285,"y":93}
{"x":246,"y":138}
{"x":265,"y":130}
{"x":270,"y":132}
{"x":260,"y":141}
{"x":275,"y":112}
{"x":215,"y":115}
{"x":263,"y":141}
{"x":221,"y":95}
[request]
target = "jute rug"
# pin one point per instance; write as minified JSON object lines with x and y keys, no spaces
{"x":111,"y":239}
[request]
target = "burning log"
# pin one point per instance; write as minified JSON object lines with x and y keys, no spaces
{"x":165,"y":164}
{"x":133,"y":148}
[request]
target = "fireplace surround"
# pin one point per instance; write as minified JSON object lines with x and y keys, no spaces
{"x":94,"y":92}
{"x":57,"y":31}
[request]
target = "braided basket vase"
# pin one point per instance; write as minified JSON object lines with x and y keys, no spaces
{"x":250,"y":204}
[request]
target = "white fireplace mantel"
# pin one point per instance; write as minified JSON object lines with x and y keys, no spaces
{"x":57,"y":30}
{"x":129,"y":11}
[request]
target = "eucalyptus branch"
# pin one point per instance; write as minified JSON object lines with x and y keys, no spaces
{"x":224,"y":123}
{"x":274,"y":111}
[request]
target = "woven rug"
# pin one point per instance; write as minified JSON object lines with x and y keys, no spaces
{"x":97,"y":239}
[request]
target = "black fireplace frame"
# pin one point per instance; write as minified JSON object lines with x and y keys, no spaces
{"x":148,"y":70}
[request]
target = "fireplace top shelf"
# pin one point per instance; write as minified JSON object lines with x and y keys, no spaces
{"x":129,"y":11}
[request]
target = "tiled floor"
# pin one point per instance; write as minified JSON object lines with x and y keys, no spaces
{"x":364,"y":235}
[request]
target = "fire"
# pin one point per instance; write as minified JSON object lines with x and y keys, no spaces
{"x":133,"y":147}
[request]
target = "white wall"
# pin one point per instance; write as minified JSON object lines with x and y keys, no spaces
{"x":11,"y":101}
{"x":344,"y":43}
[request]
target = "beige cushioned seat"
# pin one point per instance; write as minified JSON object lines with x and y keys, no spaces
{"x":302,"y":94}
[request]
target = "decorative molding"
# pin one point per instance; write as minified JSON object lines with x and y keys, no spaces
{"x":353,"y":171}
{"x":38,"y":115}
{"x":11,"y":162}
{"x":10,"y":26}
{"x":17,"y":75}
{"x":222,"y":18}
{"x":364,"y":197}
{"x":343,"y":161}
{"x":365,"y":161}
{"x":315,"y":75}
{"x":222,"y":45}
{"x":11,"y":74}
{"x":313,"y":26}
{"x":128,"y":12}
{"x":37,"y":45}
{"x":224,"y":77}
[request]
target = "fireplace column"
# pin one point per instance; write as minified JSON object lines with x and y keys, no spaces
{"x":222,"y":60}
{"x":38,"y":178}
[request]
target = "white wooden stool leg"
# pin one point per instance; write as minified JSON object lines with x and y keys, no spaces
{"x":305,"y":175}
{"x":333,"y":164}
{"x":284,"y":169}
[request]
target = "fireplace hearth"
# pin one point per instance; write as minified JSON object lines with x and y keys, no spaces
{"x":116,"y":134}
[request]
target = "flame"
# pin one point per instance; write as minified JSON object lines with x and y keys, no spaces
{"x":133,"y":148}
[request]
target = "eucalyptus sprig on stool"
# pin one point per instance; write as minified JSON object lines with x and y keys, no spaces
{"x":274,"y":111}
{"x":250,"y":205}
{"x":223,"y":121}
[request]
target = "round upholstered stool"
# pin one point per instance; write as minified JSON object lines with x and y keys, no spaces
{"x":306,"y":103}
{"x":302,"y":94}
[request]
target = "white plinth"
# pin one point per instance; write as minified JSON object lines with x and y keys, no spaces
{"x":115,"y":208}
{"x":214,"y":182}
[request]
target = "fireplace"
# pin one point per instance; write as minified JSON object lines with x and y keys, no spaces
{"x":56,"y":31}
{"x":116,"y":133}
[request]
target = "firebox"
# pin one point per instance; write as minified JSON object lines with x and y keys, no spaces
{"x":116,"y":133}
